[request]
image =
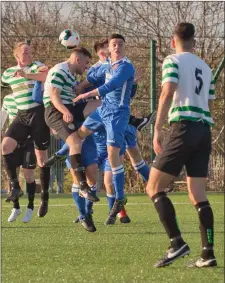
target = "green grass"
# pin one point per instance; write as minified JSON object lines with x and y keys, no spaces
{"x":53,"y":249}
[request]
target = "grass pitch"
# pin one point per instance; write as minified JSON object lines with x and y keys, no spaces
{"x":54,"y":250}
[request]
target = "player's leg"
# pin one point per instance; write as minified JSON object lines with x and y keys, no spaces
{"x":40,"y":133}
{"x":141,"y":123}
{"x":138,"y":123}
{"x":84,"y":218}
{"x":59,"y":155}
{"x":31,"y":187}
{"x":197,"y":172}
{"x":29,"y":165}
{"x":176,"y":151}
{"x":16,"y":210}
{"x":134,"y":153}
{"x":67,"y":132}
{"x":16,"y":133}
{"x":115,"y":129}
{"x":138,"y":162}
{"x":89,"y":161}
{"x":110,"y":194}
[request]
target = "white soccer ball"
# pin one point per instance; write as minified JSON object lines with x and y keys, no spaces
{"x":69,"y":38}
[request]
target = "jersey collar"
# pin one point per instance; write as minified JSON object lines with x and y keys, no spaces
{"x":122,"y":59}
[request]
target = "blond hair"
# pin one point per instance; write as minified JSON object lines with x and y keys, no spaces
{"x":17,"y":47}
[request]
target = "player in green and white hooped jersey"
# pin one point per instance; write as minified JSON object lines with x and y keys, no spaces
{"x":29,"y":120}
{"x":63,"y":116}
{"x":26,"y":159}
{"x":187,"y":93}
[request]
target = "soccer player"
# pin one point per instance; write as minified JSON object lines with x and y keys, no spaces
{"x":100,"y":138}
{"x":187,"y":94}
{"x":114,"y":111}
{"x":63,"y":116}
{"x":89,"y":162}
{"x":102,"y":50}
{"x":25,"y":157}
{"x":29,"y":121}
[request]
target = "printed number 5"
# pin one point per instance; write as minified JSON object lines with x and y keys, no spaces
{"x":198,"y":72}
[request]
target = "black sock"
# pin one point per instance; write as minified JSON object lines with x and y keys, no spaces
{"x":167,"y":216}
{"x":10,"y":166}
{"x":16,"y":204}
{"x":44,"y":178}
{"x":30,"y":194}
{"x":205,"y":215}
{"x":134,"y":121}
{"x":79,"y":170}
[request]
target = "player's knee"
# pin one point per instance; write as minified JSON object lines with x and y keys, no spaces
{"x":29,"y":175}
{"x":41,"y":157}
{"x":8,"y":145}
{"x":83,"y":132}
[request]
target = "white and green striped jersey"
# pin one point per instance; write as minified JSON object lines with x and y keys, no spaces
{"x":195,"y":86}
{"x":60,"y":77}
{"x":9,"y":110}
{"x":22,"y":88}
{"x":9,"y":105}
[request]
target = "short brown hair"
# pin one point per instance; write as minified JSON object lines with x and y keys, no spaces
{"x":83,"y":51}
{"x":17,"y":47}
{"x":184,"y":31}
{"x":116,"y":35}
{"x":100,"y":44}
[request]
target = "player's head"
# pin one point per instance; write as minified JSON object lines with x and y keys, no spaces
{"x":22,"y":53}
{"x":80,"y":59}
{"x":102,"y":49}
{"x":184,"y":36}
{"x":116,"y":46}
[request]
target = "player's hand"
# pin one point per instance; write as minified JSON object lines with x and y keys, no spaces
{"x":67,"y":117}
{"x":20,"y":73}
{"x":54,"y":132}
{"x":157,"y":142}
{"x":81,"y":96}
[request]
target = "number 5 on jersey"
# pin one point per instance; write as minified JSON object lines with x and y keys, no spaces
{"x":198,"y":72}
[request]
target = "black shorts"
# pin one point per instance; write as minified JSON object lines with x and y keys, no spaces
{"x":189,"y":145}
{"x":30,"y":123}
{"x":54,"y":119}
{"x":25,"y":155}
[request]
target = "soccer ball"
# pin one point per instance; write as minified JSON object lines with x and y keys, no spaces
{"x":69,"y":39}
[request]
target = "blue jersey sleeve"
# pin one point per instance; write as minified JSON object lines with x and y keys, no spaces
{"x":37,"y":93}
{"x":96,"y":76}
{"x":120,"y":76}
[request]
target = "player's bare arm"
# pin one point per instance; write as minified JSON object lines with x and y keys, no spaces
{"x":165,"y":100}
{"x":87,"y":95}
{"x":39,"y":76}
{"x":82,"y":86}
{"x":57,"y":102}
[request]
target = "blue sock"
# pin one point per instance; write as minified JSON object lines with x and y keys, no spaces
{"x":79,"y":201}
{"x":143,"y":169}
{"x":118,"y":181}
{"x":111,"y":200}
{"x":89,"y":204}
{"x":63,"y":150}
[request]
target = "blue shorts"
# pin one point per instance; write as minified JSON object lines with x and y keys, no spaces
{"x":88,"y":153}
{"x":130,"y":136}
{"x":115,"y":123}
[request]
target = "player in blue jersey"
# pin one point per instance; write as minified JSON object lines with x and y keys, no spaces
{"x":100,"y":138}
{"x":114,"y":111}
{"x":89,"y":162}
